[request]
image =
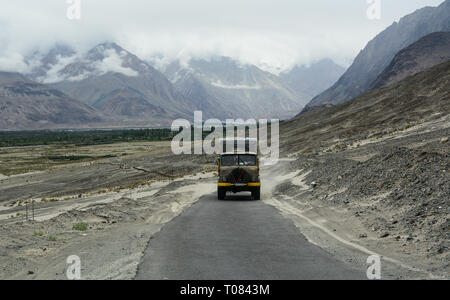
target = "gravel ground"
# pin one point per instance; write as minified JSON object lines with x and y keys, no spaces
{"x":396,"y":190}
{"x":108,"y":234}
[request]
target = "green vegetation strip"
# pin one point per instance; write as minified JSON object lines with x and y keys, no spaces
{"x":82,"y":138}
{"x":87,"y":137}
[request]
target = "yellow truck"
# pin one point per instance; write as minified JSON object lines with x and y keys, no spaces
{"x":239,"y":172}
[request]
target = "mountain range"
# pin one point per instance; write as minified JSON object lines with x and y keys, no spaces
{"x":125,"y":89}
{"x":115,"y":82}
{"x":109,"y":86}
{"x":225,"y":88}
{"x":380,"y":51}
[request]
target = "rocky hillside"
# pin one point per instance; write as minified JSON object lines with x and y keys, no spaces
{"x":427,"y":52}
{"x":416,"y":99}
{"x":224,"y":88}
{"x":379,"y":52}
{"x":384,"y":158}
{"x":25,"y":104}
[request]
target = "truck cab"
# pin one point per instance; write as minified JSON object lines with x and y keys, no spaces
{"x":239,"y":172}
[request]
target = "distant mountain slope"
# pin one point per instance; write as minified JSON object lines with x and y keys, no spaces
{"x":379,"y":52}
{"x":418,"y":98}
{"x":225,"y":88}
{"x":314,"y":79}
{"x":427,"y":52}
{"x":128,"y":103}
{"x":103,"y":76}
{"x":25,"y":104}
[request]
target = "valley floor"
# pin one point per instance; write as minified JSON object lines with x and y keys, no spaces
{"x":389,"y":196}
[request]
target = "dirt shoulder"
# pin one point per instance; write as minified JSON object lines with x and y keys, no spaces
{"x":144,"y":163}
{"x":109,"y":233}
{"x":104,"y":211}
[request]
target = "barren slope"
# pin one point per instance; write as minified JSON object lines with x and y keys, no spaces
{"x":429,"y":51}
{"x":25,"y":104}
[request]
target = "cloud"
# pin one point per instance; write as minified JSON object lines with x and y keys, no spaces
{"x":13,"y":62}
{"x":54,"y":75}
{"x":113,"y":62}
{"x":219,"y":84}
{"x":273,"y":34}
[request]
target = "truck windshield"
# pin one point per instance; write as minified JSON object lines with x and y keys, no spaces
{"x":238,"y":160}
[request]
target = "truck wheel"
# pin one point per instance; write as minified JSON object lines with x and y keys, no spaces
{"x":256,"y":194}
{"x":221,"y":194}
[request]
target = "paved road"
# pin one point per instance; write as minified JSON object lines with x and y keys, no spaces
{"x":236,"y":239}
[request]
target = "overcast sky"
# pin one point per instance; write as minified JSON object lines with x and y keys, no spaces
{"x":273,"y":34}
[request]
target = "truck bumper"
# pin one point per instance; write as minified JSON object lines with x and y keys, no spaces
{"x":236,"y":188}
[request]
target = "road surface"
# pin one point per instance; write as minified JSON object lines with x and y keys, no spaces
{"x":236,"y":239}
